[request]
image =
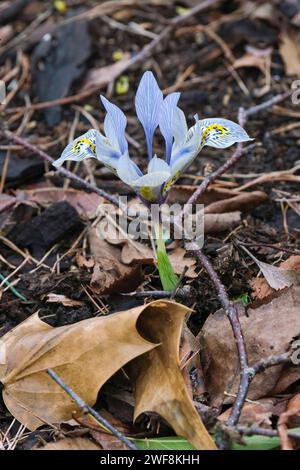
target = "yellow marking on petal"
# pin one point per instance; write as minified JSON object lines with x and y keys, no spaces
{"x":222,"y":131}
{"x":76,"y":147}
{"x":171,"y":181}
{"x":147,"y":193}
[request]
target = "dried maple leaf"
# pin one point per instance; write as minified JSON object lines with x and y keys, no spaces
{"x":159,"y":384}
{"x":86,"y":354}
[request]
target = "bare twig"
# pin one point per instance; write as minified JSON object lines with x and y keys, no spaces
{"x":252,"y":430}
{"x":88,"y":409}
{"x":246,"y":373}
{"x":68,"y":174}
{"x":267,"y":104}
{"x":182,"y":292}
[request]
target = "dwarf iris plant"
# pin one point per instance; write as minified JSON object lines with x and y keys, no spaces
{"x":182,"y":145}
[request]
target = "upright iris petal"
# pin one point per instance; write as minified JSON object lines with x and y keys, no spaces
{"x":166,"y":117}
{"x":148,"y":101}
{"x":182,"y":144}
{"x":114,"y":125}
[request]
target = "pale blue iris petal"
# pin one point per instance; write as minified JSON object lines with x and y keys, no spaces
{"x":157,"y":164}
{"x":148,"y":101}
{"x":79,"y":149}
{"x":114,"y":125}
{"x":127,"y":170}
{"x":189,"y":150}
{"x":221,"y":133}
{"x":166,"y":121}
{"x":179,"y":128}
{"x":151,"y":180}
{"x":106,"y":154}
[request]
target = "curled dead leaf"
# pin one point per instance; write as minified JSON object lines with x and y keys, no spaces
{"x":86,"y":354}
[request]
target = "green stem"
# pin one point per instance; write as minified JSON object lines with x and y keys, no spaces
{"x":167,"y":276}
{"x":14,"y":291}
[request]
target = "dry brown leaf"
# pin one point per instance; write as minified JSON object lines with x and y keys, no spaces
{"x":110,"y":274}
{"x":269,"y":330}
{"x":190,"y":360}
{"x":292,"y":411}
{"x":71,"y":443}
{"x":104,"y":75}
{"x":80,"y":353}
{"x":85,"y":203}
{"x":159,"y":384}
{"x":277,"y":278}
{"x":179,"y":262}
{"x":106,"y":440}
{"x":132,"y":250}
{"x":86,"y":354}
{"x":137,"y":253}
{"x":62,"y":299}
{"x":261,"y":288}
{"x":239,"y":202}
{"x":290,"y":52}
{"x":215,"y":223}
{"x":83,"y":262}
{"x":258,"y":413}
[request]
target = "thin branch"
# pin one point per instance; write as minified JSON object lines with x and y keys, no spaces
{"x":182,"y":292}
{"x":88,"y":409}
{"x":246,"y":373}
{"x":271,"y":361}
{"x":252,"y":430}
{"x":62,"y":171}
{"x":267,"y":104}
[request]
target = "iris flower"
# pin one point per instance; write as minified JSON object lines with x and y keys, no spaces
{"x":182,"y":144}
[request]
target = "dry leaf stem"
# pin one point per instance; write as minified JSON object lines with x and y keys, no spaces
{"x":86,"y":408}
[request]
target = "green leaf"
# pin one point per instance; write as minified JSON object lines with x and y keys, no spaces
{"x":164,"y":443}
{"x":255,"y":442}
{"x":167,"y":276}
